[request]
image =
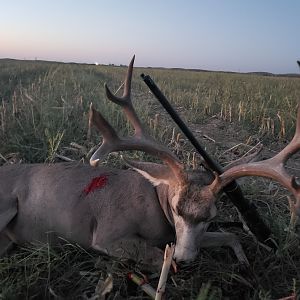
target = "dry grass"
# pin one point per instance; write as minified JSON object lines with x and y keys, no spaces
{"x":44,"y":108}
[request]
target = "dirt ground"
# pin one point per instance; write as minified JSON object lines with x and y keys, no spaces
{"x":223,"y":140}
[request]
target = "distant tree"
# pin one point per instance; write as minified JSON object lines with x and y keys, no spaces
{"x":298,"y":62}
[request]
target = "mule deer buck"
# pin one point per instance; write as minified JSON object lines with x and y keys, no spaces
{"x":118,"y":211}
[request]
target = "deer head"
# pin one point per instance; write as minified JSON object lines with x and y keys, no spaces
{"x":186,"y":197}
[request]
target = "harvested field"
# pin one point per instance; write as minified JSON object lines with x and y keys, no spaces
{"x":44,"y":108}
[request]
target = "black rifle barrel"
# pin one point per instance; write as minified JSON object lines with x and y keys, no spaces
{"x":233,"y":191}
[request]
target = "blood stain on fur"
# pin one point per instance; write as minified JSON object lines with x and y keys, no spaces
{"x":96,"y":183}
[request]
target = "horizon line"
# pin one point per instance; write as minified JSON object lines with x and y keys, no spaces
{"x":264,"y":73}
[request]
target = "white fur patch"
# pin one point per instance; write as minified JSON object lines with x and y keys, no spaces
{"x":185,"y":248}
{"x":175,"y":198}
{"x":153,"y":180}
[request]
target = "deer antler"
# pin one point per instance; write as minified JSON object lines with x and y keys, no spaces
{"x":139,"y":141}
{"x":272,"y":168}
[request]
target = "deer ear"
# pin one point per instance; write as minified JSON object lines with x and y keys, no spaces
{"x":155,"y":173}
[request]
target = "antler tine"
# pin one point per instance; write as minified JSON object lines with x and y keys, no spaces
{"x":293,"y":146}
{"x":110,"y":136}
{"x":297,"y":132}
{"x":127,"y":87}
{"x":125,"y":101}
{"x":272,"y":168}
{"x":96,"y":118}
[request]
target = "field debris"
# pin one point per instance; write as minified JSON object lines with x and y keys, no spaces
{"x":168,"y":258}
{"x":142,"y":283}
{"x":103,"y":288}
{"x":160,"y":291}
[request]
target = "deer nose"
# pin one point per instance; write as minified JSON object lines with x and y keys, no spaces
{"x":184,"y":254}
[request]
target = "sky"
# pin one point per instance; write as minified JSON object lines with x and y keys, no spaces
{"x":227,"y":35}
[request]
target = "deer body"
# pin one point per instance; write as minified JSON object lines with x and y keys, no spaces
{"x":51,"y":202}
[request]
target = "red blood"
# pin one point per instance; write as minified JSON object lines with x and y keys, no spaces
{"x":96,"y":183}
